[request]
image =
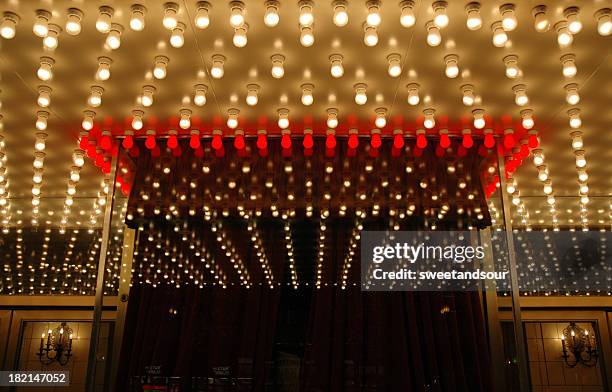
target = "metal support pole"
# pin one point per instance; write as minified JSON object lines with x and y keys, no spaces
{"x":519,"y":336}
{"x":125,"y":277}
{"x":491,"y":309}
{"x":97,"y":315}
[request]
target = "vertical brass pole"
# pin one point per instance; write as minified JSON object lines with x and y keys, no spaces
{"x":519,"y":336}
{"x":125,"y":277}
{"x":97,"y":315}
{"x":491,"y":308}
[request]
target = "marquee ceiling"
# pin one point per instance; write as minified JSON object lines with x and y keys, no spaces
{"x":480,"y":64}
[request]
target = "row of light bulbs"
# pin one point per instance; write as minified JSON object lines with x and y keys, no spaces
{"x":290,"y":255}
{"x":5,"y":204}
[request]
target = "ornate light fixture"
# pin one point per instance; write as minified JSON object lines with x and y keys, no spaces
{"x":578,"y":346}
{"x":58,"y":346}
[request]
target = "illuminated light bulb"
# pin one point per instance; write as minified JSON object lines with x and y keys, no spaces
{"x":40,"y":144}
{"x":540,"y":19}
{"x":479,"y":121}
{"x":564,"y":36}
{"x":508,"y":15}
{"x":75,"y":176}
{"x":137,"y":122}
{"x":37,"y":177}
{"x":286,"y":141}
{"x":170,"y":12}
{"x":278,"y":70}
{"x":45,"y":71}
{"x":252,"y":94}
{"x":103,"y":23}
{"x":373,"y":18}
{"x":113,"y":39}
{"x":306,"y":36}
{"x":308,"y":141}
{"x":44,"y":96}
{"x":340,"y":17}
{"x":50,"y":42}
{"x":407,"y":18}
{"x":511,"y":186}
{"x":604,"y":21}
{"x":398,"y":139}
{"x":381,"y":118}
{"x":199,"y":96}
{"x":375,"y":140}
{"x":512,"y":68}
{"x":336,"y":69}
{"x":429,"y":122}
{"x":307,"y":97}
{"x":240,"y":36}
{"x":9,"y":25}
{"x":185,"y":121}
{"x":39,"y":159}
{"x":574,"y":25}
{"x":332,"y":118}
{"x":271,"y":17}
{"x":527,"y":118}
{"x":239,"y":142}
{"x":232,"y":118}
{"x":542,"y":173}
{"x":547,"y":187}
{"x":452,"y":67}
{"x":262,"y":140}
{"x":499,"y":35}
{"x":370,"y":36}
{"x":160,"y":69}
{"x":584,"y":188}
{"x":353,"y":139}
{"x":584,"y":199}
{"x":571,"y":94}
{"x":36,"y":191}
{"x":467,"y":141}
{"x":489,"y":139}
{"x":306,"y":17}
{"x":440,"y":16}
{"x":330,"y":141}
{"x":35,"y":201}
{"x":574,"y":118}
{"x":413,"y":94}
{"x":520,"y":95}
{"x":569,"y":65}
{"x":360,"y":93}
{"x":41,"y":23}
{"x":41,"y":120}
{"x":217,"y":69}
{"x":177,"y":39}
{"x":283,"y":118}
{"x":236,"y":13}
{"x":150,"y":142}
{"x":421,"y":140}
{"x":582,"y":175}
{"x":395,"y":67}
{"x":95,"y":96}
{"x":577,"y":143}
{"x":202,"y":17}
{"x":433,"y":34}
{"x":103,"y":71}
{"x":467,"y":91}
{"x":474,"y":20}
{"x":137,"y":19}
{"x":147,"y":95}
{"x":580,"y":158}
{"x":538,"y":157}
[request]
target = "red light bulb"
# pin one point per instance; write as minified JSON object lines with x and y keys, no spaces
{"x":99,"y":160}
{"x":91,"y":151}
{"x":194,"y":142}
{"x":308,"y":141}
{"x":489,"y":140}
{"x":533,"y":141}
{"x":106,"y":167}
{"x":524,"y":153}
{"x":421,"y":141}
{"x":83,"y":143}
{"x":353,"y":141}
{"x":217,"y":143}
{"x":286,"y":141}
{"x":172,"y":142}
{"x":445,"y":141}
{"x":262,"y":142}
{"x":375,"y":140}
{"x":105,"y":143}
{"x":508,"y":141}
{"x":330,"y":141}
{"x":467,"y":141}
{"x":239,"y":142}
{"x":398,"y":141}
{"x":150,"y":142}
{"x":128,"y":142}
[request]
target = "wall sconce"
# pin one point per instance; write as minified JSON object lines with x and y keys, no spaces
{"x":58,"y":346}
{"x":578,"y":346}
